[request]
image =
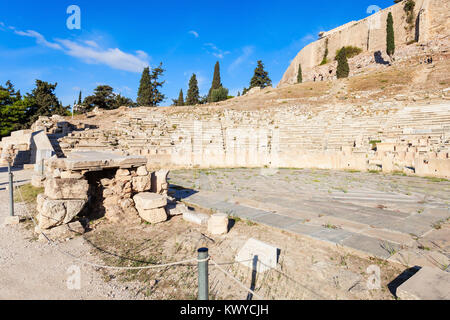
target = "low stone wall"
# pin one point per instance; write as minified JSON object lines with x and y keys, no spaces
{"x":80,"y":187}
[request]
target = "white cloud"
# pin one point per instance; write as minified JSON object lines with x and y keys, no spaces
{"x":90,"y":52}
{"x":247,"y":51}
{"x":218,"y":53}
{"x":114,"y":58}
{"x":91,"y":43}
{"x":40,"y":39}
{"x":194,"y":33}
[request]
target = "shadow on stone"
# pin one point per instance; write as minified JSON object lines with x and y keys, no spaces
{"x":379,"y":58}
{"x":181,"y":192}
{"x":403,"y":277}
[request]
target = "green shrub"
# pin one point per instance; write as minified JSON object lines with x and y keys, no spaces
{"x":343,"y":68}
{"x":219,"y":94}
{"x":350,"y":51}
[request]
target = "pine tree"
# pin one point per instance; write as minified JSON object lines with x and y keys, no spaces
{"x":343,"y":69}
{"x":156,"y":96}
{"x":148,"y":93}
{"x":45,"y":102}
{"x":216,"y":83}
{"x":261,"y":77}
{"x":103,"y":97}
{"x":390,"y":40}
{"x":144,"y":97}
{"x":193,"y":94}
{"x":299,"y":74}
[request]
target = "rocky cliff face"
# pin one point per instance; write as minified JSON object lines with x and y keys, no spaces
{"x":431,"y":20}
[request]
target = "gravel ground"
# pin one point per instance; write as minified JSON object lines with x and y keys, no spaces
{"x":36,"y":270}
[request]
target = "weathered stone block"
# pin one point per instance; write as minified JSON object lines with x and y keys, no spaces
{"x":147,"y":201}
{"x":37,"y":181}
{"x":427,"y":284}
{"x":176,"y":209}
{"x":153,"y":215}
{"x":57,"y":212}
{"x":258,"y":255}
{"x":218,"y":224}
{"x":9,"y":221}
{"x":71,"y":175}
{"x":58,"y":189}
{"x":194,"y":217}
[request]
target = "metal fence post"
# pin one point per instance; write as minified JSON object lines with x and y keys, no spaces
{"x":42,"y":167}
{"x":203,"y":286}
{"x":11,"y":191}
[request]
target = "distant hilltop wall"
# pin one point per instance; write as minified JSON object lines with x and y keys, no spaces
{"x":431,"y":18}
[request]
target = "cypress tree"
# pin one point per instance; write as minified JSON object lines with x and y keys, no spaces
{"x":216,"y":83}
{"x":299,"y":74}
{"x":79,"y":99}
{"x":390,"y":40}
{"x":193,"y":95}
{"x":343,"y":69}
{"x":261,"y":77}
{"x":180,"y":101}
{"x":144,"y":97}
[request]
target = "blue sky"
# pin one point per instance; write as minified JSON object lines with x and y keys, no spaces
{"x":118,"y":38}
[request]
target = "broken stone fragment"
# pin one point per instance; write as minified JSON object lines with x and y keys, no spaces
{"x":122,"y":172}
{"x":141,"y":183}
{"x":53,"y":213}
{"x":142,"y":171}
{"x":59,"y":189}
{"x":147,"y":201}
{"x":61,"y":233}
{"x":194,"y":217}
{"x":175,"y":209}
{"x":153,"y":216}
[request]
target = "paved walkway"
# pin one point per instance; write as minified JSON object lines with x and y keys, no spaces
{"x":397,"y":217}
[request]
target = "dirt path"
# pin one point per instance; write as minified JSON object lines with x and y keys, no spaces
{"x":36,"y":270}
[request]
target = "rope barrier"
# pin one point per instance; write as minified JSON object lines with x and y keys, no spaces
{"x":214,"y":263}
{"x":53,"y":243}
{"x":236,"y":280}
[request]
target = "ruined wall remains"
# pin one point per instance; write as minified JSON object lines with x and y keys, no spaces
{"x":431,"y":20}
{"x":386,"y":137}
